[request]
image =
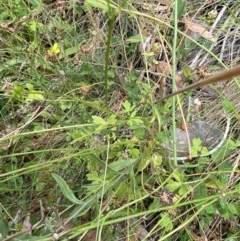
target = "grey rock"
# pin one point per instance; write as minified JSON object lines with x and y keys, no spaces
{"x":209,"y":134}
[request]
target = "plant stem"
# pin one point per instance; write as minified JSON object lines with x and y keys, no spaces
{"x":174,"y":69}
{"x":111,"y":18}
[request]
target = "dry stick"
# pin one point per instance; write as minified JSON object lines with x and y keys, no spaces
{"x":195,"y":60}
{"x":187,"y":28}
{"x":219,"y":17}
{"x":222,"y":76}
{"x":235,"y":166}
{"x":26,"y":230}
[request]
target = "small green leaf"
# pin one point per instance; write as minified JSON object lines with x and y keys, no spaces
{"x":183,"y":190}
{"x":121,"y":164}
{"x":40,"y":186}
{"x":136,"y":39}
{"x":194,"y":151}
{"x":156,"y":159}
{"x":155,"y":204}
{"x":65,"y":105}
{"x":178,"y":176}
{"x":166,"y":222}
{"x":4,"y":228}
{"x":111,"y":74}
{"x":223,"y":152}
{"x":93,"y":176}
{"x":133,"y":114}
{"x":187,"y":72}
{"x":134,"y":152}
{"x":143,"y":163}
{"x":211,"y":209}
{"x":122,"y":190}
{"x":181,"y":8}
{"x":29,"y":86}
{"x":233,"y":145}
{"x":32,"y":26}
{"x":127,"y":106}
{"x":34,"y":95}
{"x":204,"y":150}
{"x":134,"y":121}
{"x":172,"y":185}
{"x":200,"y":191}
{"x":139,"y":132}
{"x":225,"y":214}
{"x":66,"y":191}
{"x":112,"y":119}
{"x":231,"y":207}
{"x":216,"y":184}
{"x":148,"y":54}
{"x":97,"y":4}
{"x":98,"y":120}
{"x":196,"y":141}
{"x":229,"y":107}
{"x":222,"y":204}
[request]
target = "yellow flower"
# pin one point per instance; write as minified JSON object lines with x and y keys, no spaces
{"x":54,"y":50}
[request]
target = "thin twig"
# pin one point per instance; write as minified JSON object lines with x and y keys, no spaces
{"x":17,"y":234}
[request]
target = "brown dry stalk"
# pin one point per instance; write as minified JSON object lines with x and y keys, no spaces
{"x":222,"y":76}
